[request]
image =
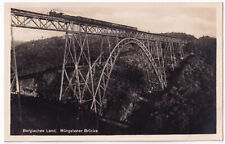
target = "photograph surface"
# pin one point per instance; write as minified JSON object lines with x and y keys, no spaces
{"x":113,"y":69}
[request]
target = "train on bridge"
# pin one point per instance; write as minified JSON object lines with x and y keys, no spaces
{"x":160,"y":54}
{"x":84,"y":20}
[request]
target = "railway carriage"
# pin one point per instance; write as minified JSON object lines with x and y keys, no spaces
{"x":90,"y":21}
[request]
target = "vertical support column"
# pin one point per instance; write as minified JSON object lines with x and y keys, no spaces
{"x":63,"y":67}
{"x":157,"y":50}
{"x":79,"y":58}
{"x":150,"y":49}
{"x":163,"y":66}
{"x":90,"y":74}
{"x":17,"y":90}
{"x":181,"y":51}
{"x":171,"y":55}
{"x":158,"y":47}
{"x":174,"y":56}
{"x":73,"y":78}
{"x":76,"y":70}
{"x":148,"y":46}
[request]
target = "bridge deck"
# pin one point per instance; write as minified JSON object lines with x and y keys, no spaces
{"x":33,"y":20}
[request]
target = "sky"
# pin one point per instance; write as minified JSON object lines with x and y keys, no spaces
{"x":197,"y":21}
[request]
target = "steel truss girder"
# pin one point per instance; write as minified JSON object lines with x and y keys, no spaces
{"x":26,"y":19}
{"x":81,"y":83}
{"x":159,"y":69}
{"x":96,"y":86}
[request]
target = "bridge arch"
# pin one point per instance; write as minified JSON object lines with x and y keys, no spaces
{"x":103,"y":81}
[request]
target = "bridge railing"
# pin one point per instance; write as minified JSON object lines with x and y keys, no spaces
{"x":33,"y":20}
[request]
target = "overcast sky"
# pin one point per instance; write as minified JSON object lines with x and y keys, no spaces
{"x":196,"y":21}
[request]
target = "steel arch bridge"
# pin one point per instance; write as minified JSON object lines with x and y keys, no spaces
{"x":86,"y":77}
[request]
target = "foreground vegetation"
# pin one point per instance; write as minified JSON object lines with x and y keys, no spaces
{"x":187,"y":105}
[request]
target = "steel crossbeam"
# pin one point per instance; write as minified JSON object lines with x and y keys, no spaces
{"x":90,"y":84}
{"x":27,"y":19}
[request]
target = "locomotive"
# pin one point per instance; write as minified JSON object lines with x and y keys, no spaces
{"x":83,"y":20}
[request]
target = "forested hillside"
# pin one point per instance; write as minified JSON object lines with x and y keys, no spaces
{"x":187,"y":105}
